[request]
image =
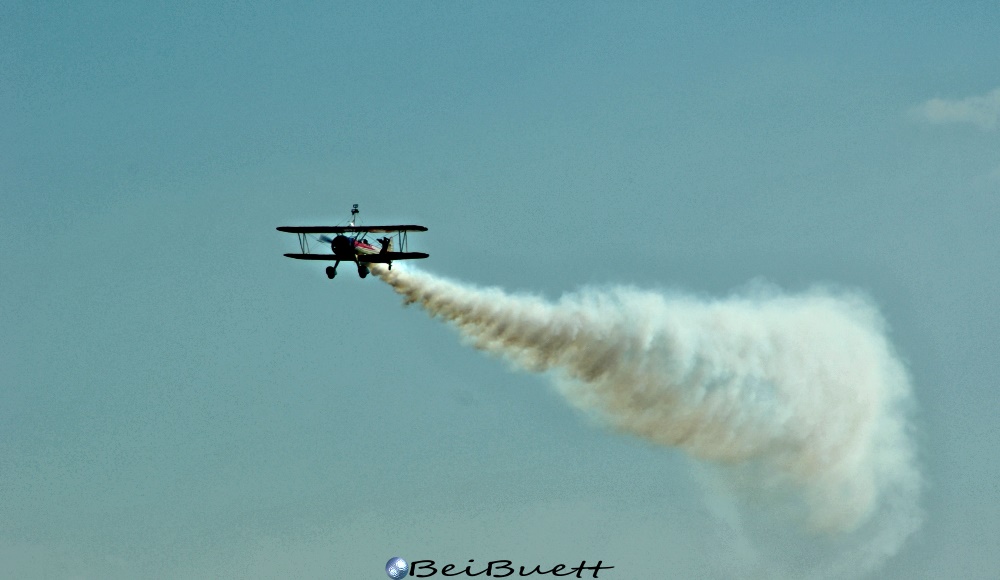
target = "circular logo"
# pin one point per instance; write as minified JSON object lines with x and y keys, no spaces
{"x":396,"y":568}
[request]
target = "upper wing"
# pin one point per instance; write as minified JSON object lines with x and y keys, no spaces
{"x":365,"y":258}
{"x":346,"y":229}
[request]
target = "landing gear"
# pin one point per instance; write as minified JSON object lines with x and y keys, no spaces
{"x":362,"y":270}
{"x":331,"y":271}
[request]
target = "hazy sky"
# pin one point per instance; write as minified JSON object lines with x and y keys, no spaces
{"x":177,"y":400}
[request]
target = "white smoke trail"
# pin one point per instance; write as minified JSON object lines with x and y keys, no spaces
{"x":801,"y":395}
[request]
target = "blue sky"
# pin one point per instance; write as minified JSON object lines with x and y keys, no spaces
{"x":180,"y":401}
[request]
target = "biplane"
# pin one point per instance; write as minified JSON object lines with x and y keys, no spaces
{"x":351,"y":244}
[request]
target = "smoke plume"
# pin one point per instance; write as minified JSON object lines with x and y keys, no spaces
{"x":800,"y":396}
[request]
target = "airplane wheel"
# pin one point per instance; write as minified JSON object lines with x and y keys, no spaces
{"x":330,"y":272}
{"x":362,"y":271}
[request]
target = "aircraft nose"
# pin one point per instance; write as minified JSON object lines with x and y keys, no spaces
{"x":341,"y":245}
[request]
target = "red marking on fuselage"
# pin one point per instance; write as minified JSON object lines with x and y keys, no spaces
{"x":364,"y":247}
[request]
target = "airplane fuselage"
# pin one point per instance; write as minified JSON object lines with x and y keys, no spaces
{"x":347,"y":249}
